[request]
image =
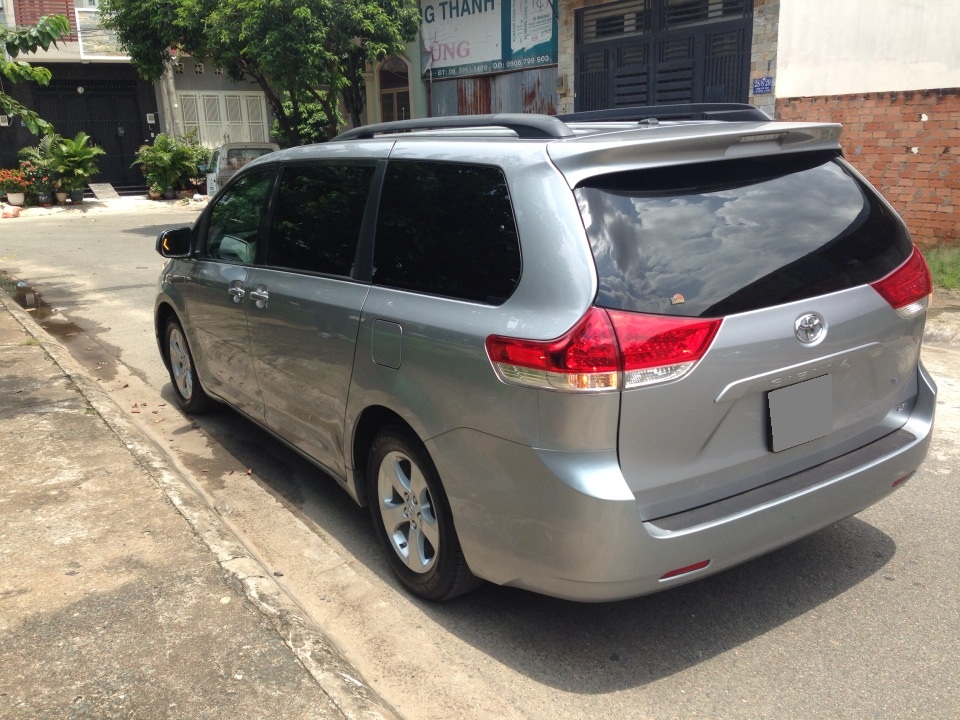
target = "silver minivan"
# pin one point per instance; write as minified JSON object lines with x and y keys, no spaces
{"x":593,"y":356}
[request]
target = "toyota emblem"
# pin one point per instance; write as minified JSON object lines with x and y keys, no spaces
{"x":810,"y":329}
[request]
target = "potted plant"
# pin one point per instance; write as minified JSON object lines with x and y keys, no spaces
{"x":15,"y":184}
{"x":156,"y":190}
{"x":40,"y":182}
{"x":166,"y":163}
{"x":38,"y":165}
{"x":75,"y":162}
{"x":198,"y":157}
{"x":59,"y":193}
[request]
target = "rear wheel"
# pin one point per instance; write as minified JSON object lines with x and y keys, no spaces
{"x":412,"y":518}
{"x":190,"y":396}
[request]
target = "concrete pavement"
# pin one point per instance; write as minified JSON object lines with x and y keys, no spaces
{"x":111,"y":605}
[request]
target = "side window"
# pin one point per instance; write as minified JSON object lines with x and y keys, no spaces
{"x":316,"y":223}
{"x":447,"y":229}
{"x":234,"y":228}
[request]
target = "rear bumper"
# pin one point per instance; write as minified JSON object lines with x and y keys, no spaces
{"x":565,"y":524}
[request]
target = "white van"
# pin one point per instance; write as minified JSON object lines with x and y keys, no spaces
{"x":229,"y":158}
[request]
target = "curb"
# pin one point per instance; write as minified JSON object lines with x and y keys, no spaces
{"x":114,"y":206}
{"x":319,"y":656}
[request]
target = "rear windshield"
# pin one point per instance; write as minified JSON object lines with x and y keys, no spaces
{"x":238,"y":157}
{"x":713,"y":239}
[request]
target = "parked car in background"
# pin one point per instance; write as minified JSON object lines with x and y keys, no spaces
{"x":593,"y":356}
{"x":230,"y":157}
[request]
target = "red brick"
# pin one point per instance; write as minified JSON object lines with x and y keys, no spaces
{"x":880,"y":129}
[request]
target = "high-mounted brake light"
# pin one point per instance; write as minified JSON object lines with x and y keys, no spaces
{"x":907,"y":288}
{"x":606,"y":350}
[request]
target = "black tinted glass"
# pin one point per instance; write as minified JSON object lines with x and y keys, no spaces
{"x":719,"y":238}
{"x":317,"y":218}
{"x":447,"y":229}
{"x":234,"y":228}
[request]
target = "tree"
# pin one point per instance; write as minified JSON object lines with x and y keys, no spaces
{"x":47,"y":31}
{"x":303,"y":54}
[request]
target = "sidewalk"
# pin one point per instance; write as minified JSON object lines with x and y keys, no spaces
{"x":93,"y":206}
{"x":111,"y":605}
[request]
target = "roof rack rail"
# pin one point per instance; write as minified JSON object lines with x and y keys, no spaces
{"x":523,"y":124}
{"x":729,"y":112}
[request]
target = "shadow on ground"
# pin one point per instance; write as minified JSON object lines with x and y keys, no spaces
{"x":584,"y":648}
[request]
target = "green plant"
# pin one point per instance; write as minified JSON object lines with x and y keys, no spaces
{"x":42,"y":160}
{"x":23,"y":41}
{"x":166,"y":163}
{"x":197,"y":153}
{"x":944,"y":263}
{"x":75,"y":161}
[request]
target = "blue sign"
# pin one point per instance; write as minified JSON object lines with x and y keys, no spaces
{"x":762,"y":86}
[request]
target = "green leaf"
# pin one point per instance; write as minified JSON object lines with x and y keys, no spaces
{"x":292,"y":49}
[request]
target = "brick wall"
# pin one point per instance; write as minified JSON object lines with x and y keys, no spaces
{"x":907,"y":144}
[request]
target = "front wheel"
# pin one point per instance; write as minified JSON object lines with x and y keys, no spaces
{"x":412,"y":519}
{"x":190,"y":396}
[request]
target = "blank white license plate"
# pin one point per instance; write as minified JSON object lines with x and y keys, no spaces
{"x":801,"y":413}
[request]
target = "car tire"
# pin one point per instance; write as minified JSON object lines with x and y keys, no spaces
{"x":186,"y":385}
{"x":412,"y":518}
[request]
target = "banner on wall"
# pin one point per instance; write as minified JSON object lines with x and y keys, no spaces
{"x":475,"y":37}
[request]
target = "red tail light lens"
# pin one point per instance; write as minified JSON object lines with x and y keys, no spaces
{"x":586,"y":358}
{"x":646,"y":349}
{"x":907,"y":288}
{"x":657,"y":348}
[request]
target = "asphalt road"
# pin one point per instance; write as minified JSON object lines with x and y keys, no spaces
{"x":861,"y":620}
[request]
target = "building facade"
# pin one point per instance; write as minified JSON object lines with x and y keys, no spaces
{"x":94,"y":88}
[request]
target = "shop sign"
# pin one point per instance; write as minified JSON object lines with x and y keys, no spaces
{"x":475,"y":37}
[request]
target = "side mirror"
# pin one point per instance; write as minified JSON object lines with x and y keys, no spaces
{"x":175,"y":243}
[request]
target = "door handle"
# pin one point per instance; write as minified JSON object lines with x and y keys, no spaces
{"x":261,"y":296}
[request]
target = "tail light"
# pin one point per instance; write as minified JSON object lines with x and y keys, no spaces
{"x":605,"y":350}
{"x":657,"y":348}
{"x":586,"y":358}
{"x":907,"y":288}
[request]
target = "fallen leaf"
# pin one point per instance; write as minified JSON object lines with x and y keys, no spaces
{"x":250,"y":471}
